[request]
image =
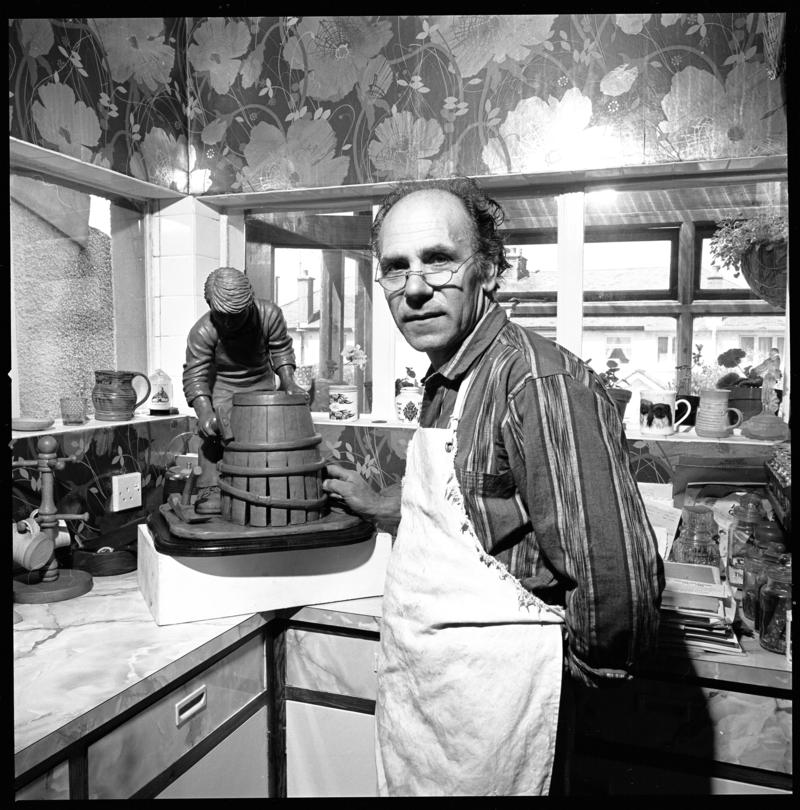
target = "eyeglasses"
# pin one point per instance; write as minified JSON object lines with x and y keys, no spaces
{"x":395,"y":278}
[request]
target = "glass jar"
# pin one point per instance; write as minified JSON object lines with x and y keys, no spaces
{"x":698,"y":547}
{"x":771,"y":554}
{"x":753,"y":566}
{"x":774,"y":603}
{"x":747,"y":516}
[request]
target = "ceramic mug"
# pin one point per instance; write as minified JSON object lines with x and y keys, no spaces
{"x":712,"y":416}
{"x":657,"y":413}
{"x":343,"y":403}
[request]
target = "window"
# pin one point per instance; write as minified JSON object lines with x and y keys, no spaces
{"x":78,"y":291}
{"x":646,"y":292}
{"x":317,"y":266}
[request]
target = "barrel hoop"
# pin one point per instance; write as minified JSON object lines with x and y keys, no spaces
{"x":293,"y":444}
{"x":277,"y":503}
{"x":297,"y":469}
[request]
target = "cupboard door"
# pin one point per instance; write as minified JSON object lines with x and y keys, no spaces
{"x":142,"y":748}
{"x":51,"y":785}
{"x":234,"y":769}
{"x":329,"y":752}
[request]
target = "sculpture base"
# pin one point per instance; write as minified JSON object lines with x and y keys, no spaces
{"x":29,"y":589}
{"x":221,"y":537}
{"x":194,"y":588}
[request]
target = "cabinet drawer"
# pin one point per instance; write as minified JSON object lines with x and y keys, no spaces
{"x":324,"y":662}
{"x":140,"y":749}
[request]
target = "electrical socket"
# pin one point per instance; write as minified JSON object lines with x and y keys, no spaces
{"x":186,"y":460}
{"x":126,"y":491}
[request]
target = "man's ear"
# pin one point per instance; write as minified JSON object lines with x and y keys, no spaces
{"x":489,"y":283}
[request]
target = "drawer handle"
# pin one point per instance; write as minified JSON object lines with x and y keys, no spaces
{"x":190,"y":706}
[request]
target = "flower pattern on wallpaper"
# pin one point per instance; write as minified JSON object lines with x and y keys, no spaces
{"x":304,"y":156}
{"x":229,"y":104}
{"x":333,"y":51}
{"x":403,"y":145}
{"x":65,"y":122}
{"x":217,"y":50}
{"x":740,"y":117}
{"x":136,"y":50}
{"x":476,"y":39}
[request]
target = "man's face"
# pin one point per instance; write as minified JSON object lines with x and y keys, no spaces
{"x":419,"y":231}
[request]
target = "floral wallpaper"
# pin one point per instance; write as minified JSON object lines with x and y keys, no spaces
{"x":213,"y":105}
{"x":84,"y":485}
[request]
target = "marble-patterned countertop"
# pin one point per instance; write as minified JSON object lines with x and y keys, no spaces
{"x":80,"y":662}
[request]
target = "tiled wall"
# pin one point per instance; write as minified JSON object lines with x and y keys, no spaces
{"x":186,"y":248}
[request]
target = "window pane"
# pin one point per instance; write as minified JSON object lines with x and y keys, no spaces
{"x":734,"y":347}
{"x":317,"y":266}
{"x":78,"y":292}
{"x":626,"y":265}
{"x":637,"y":344}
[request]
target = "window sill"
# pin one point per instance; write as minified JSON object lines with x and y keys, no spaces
{"x":58,"y":427}
{"x":633,"y":433}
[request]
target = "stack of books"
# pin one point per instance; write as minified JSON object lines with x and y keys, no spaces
{"x":697,"y":610}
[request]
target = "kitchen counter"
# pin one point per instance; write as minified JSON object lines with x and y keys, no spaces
{"x":80,"y":662}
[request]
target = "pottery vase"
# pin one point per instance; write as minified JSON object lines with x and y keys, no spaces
{"x":408,"y":404}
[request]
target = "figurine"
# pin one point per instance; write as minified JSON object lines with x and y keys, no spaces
{"x":240,"y":344}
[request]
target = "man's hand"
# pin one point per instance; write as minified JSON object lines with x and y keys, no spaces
{"x":288,"y":384}
{"x":207,"y":422}
{"x":349,"y":488}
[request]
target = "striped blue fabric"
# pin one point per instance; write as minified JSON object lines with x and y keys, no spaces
{"x":543,"y":464}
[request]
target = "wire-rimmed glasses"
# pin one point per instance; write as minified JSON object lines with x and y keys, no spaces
{"x":395,"y":278}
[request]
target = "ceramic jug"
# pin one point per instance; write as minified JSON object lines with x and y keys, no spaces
{"x":657,"y":413}
{"x":712,"y":416}
{"x":114,"y":397}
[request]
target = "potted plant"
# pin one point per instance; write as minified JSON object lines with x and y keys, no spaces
{"x":621,"y":396}
{"x":745,"y":383}
{"x":755,"y":247}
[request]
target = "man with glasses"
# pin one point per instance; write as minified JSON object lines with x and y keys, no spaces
{"x":523,"y":544}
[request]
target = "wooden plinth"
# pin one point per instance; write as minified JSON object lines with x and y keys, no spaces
{"x":221,"y":537}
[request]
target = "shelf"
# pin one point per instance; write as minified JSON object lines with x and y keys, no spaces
{"x":58,"y":427}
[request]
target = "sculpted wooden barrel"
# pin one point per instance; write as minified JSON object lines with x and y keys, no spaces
{"x":271,"y":472}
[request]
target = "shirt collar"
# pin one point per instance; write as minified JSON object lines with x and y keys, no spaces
{"x":473,"y":347}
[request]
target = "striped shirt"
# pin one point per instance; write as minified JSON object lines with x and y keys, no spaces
{"x":543,"y":465}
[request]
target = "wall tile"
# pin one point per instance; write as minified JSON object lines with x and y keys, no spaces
{"x":177,"y":315}
{"x":177,"y":275}
{"x":177,"y":235}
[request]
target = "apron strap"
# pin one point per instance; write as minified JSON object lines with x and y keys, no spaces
{"x":455,"y":416}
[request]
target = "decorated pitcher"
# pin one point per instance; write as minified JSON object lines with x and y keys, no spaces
{"x":114,"y":397}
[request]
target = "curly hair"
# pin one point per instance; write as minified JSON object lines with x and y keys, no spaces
{"x":228,"y":290}
{"x":485,"y":214}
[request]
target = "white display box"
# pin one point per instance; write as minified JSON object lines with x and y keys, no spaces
{"x":187,"y":589}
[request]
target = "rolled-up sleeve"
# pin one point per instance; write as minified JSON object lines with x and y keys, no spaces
{"x":568,"y":454}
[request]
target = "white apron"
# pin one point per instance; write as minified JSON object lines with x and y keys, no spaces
{"x":470,"y":664}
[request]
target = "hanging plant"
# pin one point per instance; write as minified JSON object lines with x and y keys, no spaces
{"x":756,"y":247}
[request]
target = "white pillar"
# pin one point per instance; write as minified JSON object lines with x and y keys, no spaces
{"x":186,"y":247}
{"x":569,"y":314}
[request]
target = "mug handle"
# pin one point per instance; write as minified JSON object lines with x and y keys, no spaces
{"x":685,"y":416}
{"x":740,"y":419}
{"x":147,"y":380}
